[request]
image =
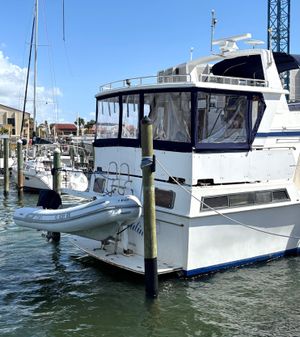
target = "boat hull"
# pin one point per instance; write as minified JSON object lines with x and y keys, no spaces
{"x":206,"y":244}
{"x":216,"y":243}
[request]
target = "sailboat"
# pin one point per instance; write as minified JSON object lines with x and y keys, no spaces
{"x":38,"y":168}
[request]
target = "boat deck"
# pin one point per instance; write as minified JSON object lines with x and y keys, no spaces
{"x":132,"y":262}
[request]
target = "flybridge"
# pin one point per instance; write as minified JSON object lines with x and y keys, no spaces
{"x":232,"y":67}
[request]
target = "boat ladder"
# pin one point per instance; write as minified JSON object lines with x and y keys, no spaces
{"x":118,"y":179}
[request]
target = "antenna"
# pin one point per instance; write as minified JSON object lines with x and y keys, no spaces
{"x":63,"y":17}
{"x":253,"y":42}
{"x":191,"y":53}
{"x":212,"y":28}
{"x":228,"y":44}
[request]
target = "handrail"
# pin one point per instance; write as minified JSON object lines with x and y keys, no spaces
{"x":232,"y":80}
{"x":145,"y":80}
{"x":183,"y":78}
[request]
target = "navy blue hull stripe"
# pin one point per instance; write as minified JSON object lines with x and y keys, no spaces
{"x":279,"y":134}
{"x":239,"y":263}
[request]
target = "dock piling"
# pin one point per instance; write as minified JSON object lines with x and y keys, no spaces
{"x":5,"y":164}
{"x":20,"y":166}
{"x":57,"y":171}
{"x":150,"y":241}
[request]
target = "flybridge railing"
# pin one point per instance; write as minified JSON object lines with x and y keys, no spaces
{"x":146,"y":80}
{"x":186,"y":78}
{"x":232,"y":80}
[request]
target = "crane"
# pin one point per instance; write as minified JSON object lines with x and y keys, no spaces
{"x":279,"y":29}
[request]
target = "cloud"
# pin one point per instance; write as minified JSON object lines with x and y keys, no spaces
{"x":12,"y":91}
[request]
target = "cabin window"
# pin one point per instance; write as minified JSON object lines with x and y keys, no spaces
{"x":108,"y":118}
{"x":99,"y":185}
{"x":244,"y":199}
{"x":222,"y":118}
{"x":164,"y":198}
{"x":215,"y":202}
{"x":280,"y":195}
{"x":257,"y":109}
{"x":263,"y":197}
{"x":130,"y":117}
{"x":170,"y":113}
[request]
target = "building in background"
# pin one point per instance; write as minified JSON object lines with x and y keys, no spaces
{"x":63,"y":130}
{"x":11,"y":122}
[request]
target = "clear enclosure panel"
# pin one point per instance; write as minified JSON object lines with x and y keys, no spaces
{"x":108,"y":118}
{"x":170,"y":113}
{"x":130,"y":118}
{"x":221,"y":118}
{"x":257,"y":109}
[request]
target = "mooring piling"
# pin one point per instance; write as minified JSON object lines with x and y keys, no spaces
{"x":5,"y":163}
{"x":150,"y":241}
{"x":20,"y":166}
{"x":57,"y":171}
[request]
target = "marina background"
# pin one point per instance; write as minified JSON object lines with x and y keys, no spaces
{"x":53,"y":290}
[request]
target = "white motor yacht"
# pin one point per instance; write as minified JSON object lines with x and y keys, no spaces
{"x":227,"y":150}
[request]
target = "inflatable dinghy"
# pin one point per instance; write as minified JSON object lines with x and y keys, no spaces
{"x":96,"y":219}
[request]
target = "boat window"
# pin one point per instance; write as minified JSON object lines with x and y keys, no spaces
{"x":241,"y":199}
{"x":263,"y":197}
{"x":215,"y":202}
{"x":130,"y":118}
{"x":244,"y":199}
{"x":108,"y":118}
{"x":258,"y":107}
{"x":164,"y":198}
{"x":222,"y":118}
{"x":99,"y":185}
{"x":170,"y":113}
{"x":280,"y":195}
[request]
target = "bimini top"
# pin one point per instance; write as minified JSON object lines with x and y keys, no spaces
{"x":251,"y":66}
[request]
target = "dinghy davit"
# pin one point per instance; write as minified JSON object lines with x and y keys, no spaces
{"x":98,"y":218}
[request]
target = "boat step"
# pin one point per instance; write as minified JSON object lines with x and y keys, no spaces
{"x":131,"y":262}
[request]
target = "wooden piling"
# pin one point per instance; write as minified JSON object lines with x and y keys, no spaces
{"x":5,"y":164}
{"x":57,"y":171}
{"x":20,"y":165}
{"x":150,"y":241}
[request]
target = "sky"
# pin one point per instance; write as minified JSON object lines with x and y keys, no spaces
{"x":101,"y":41}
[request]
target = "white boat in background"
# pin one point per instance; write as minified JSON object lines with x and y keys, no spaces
{"x":38,"y":175}
{"x":227,"y":149}
{"x":10,"y":163}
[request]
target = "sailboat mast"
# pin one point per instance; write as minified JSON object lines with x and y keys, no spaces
{"x":35,"y":65}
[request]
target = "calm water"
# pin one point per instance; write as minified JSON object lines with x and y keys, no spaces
{"x":45,"y":290}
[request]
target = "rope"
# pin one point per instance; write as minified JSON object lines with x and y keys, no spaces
{"x":223,"y":215}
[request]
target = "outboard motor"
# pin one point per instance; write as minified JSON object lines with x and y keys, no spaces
{"x":49,"y":199}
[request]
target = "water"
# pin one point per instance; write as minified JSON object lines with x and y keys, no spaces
{"x":45,"y":290}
